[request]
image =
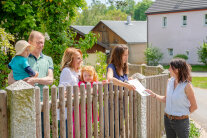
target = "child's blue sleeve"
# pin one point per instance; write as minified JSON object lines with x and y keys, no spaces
{"x":30,"y":71}
{"x":27,"y":67}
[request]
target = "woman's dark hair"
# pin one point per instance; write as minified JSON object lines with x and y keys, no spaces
{"x":184,"y":69}
{"x":116,"y":59}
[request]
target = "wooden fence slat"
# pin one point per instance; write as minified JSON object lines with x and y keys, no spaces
{"x":54,"y":112}
{"x":126,"y":112}
{"x":3,"y":114}
{"x":95,"y":110}
{"x":46,"y":112}
{"x":38,"y":112}
{"x":106,"y":113}
{"x":148,"y":109}
{"x":131,"y":114}
{"x":121,"y":111}
{"x":62,"y":111}
{"x":76,"y":111}
{"x":89,"y":110}
{"x":162,"y":105}
{"x":158,"y":107}
{"x":116,"y":105}
{"x":83,"y":111}
{"x":101,"y":123}
{"x":111,"y":109}
{"x":69,"y":111}
{"x":135,"y":114}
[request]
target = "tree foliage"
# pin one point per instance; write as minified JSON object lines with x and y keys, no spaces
{"x":98,"y":11}
{"x":140,"y":8}
{"x":19,"y":17}
{"x":202,"y":53}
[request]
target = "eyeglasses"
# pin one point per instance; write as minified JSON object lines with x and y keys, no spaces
{"x":39,"y":42}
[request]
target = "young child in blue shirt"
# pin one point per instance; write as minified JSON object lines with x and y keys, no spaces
{"x":19,"y":64}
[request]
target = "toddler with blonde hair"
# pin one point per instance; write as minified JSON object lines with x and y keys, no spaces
{"x":88,"y":75}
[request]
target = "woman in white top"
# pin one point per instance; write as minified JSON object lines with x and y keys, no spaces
{"x":70,"y":71}
{"x":70,"y":67}
{"x":179,"y":98}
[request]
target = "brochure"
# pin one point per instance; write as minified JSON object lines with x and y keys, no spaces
{"x":139,"y":87}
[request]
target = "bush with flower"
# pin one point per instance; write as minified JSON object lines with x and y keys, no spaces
{"x":101,"y":65}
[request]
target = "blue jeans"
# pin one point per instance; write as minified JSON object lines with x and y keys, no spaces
{"x":176,"y":128}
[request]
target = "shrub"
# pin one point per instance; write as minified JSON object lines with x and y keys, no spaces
{"x":202,"y":53}
{"x":101,"y":66}
{"x":194,"y":131}
{"x":153,"y":55}
{"x":183,"y":56}
{"x":6,"y":50}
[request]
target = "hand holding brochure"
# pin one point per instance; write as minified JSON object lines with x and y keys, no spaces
{"x":139,"y":87}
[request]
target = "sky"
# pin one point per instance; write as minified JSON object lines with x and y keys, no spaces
{"x":104,"y":1}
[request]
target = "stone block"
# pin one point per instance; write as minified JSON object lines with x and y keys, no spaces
{"x":21,"y":110}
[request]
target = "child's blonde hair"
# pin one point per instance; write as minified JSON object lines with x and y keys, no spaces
{"x":91,"y":70}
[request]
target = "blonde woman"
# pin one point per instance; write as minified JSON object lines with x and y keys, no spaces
{"x":70,"y":67}
{"x":70,"y":72}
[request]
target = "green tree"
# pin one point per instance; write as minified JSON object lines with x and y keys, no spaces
{"x":153,"y":55}
{"x":19,"y":17}
{"x":56,"y":17}
{"x":98,"y":11}
{"x":127,"y":6}
{"x":91,"y":15}
{"x":140,"y":8}
{"x":202,"y":53}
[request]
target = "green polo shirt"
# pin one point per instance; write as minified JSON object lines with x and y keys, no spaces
{"x":41,"y":65}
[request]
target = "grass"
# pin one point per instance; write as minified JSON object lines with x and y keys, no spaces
{"x":195,"y":68}
{"x":200,"y":82}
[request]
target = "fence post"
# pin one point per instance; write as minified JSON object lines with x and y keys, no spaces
{"x":3,"y":115}
{"x":141,"y":111}
{"x":21,"y":106}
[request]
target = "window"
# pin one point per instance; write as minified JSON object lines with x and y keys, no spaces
{"x":187,"y":52}
{"x":184,"y":20}
{"x":170,"y":51}
{"x":205,"y":19}
{"x":164,"y":21}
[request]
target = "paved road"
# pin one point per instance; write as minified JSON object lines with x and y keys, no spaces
{"x":200,"y":115}
{"x":199,"y":74}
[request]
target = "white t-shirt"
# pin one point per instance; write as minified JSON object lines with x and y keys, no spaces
{"x":68,"y":76}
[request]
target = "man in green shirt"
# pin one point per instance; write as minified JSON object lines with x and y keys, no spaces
{"x":39,"y":62}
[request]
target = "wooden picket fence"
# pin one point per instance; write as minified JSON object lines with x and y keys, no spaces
{"x":117,"y":108}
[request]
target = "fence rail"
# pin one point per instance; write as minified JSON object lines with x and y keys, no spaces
{"x":101,"y":111}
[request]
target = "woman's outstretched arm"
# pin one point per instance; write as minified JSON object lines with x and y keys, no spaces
{"x":157,"y":96}
{"x":118,"y":82}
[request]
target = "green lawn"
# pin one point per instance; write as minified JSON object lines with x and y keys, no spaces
{"x":195,"y":68}
{"x":200,"y":82}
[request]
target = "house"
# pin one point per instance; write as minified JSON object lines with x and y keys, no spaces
{"x":131,"y":33}
{"x":177,"y":27}
{"x":81,"y":31}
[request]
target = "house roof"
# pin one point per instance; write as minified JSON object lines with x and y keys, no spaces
{"x":165,"y":6}
{"x":136,"y":32}
{"x":82,"y":29}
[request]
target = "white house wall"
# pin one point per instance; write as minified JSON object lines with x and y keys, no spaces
{"x":174,"y":35}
